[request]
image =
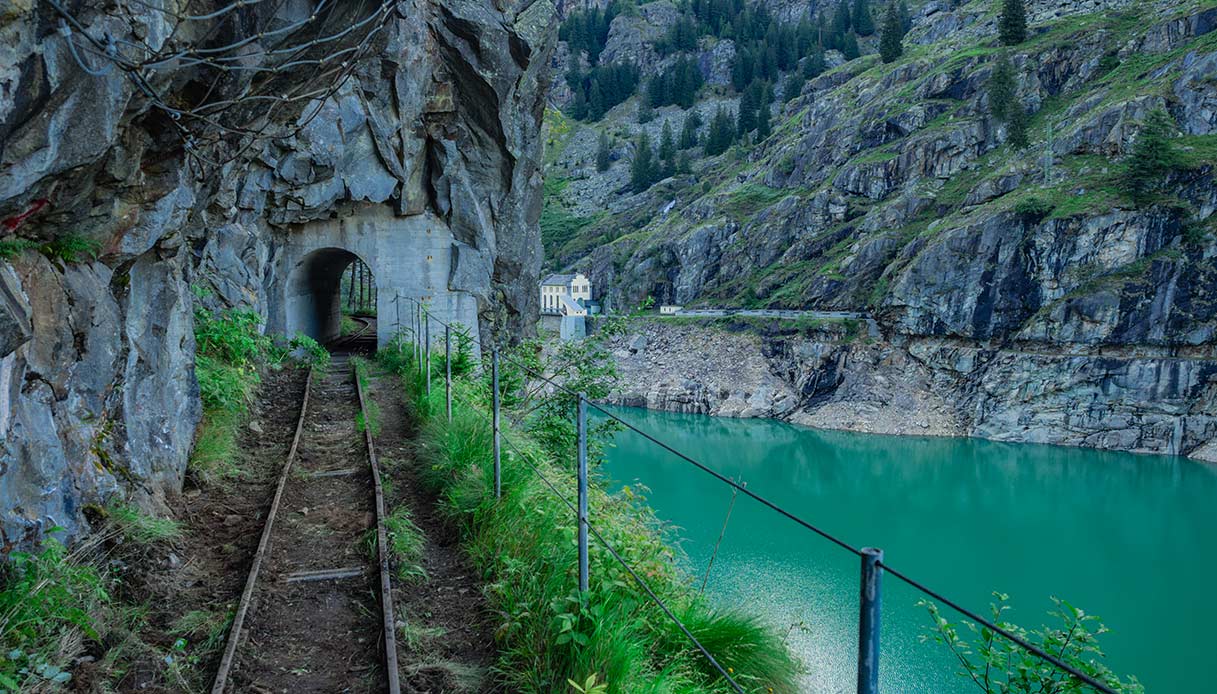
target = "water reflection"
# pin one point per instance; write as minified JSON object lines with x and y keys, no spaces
{"x":1107,"y":531}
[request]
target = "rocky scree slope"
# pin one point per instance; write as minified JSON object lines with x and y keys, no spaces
{"x":98,"y":400}
{"x":1021,"y":289}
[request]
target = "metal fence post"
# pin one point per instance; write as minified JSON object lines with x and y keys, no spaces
{"x":582,"y":428}
{"x":427,"y":341}
{"x":868,"y":621}
{"x":448,"y":370}
{"x":414,"y":329}
{"x":494,"y":398}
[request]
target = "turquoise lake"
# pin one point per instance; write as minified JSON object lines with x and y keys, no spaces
{"x":1127,"y":537}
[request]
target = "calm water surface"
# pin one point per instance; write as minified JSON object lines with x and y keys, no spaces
{"x":1127,"y":537}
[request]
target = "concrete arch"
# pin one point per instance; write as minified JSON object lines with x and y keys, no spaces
{"x":411,"y":258}
{"x":314,"y":294}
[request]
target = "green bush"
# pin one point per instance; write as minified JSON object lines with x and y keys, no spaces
{"x":314,"y":354}
{"x":997,"y":666}
{"x":550,"y":633}
{"x":1033,"y":208}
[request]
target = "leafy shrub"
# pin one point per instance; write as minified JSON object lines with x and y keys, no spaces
{"x":997,"y":666}
{"x":314,"y":354}
{"x":1033,"y":209}
{"x":231,"y":336}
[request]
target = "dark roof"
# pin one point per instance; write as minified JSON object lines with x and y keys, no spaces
{"x":560,"y":280}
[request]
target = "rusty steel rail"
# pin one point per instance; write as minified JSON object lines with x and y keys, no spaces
{"x":238,"y":620}
{"x":382,"y":550}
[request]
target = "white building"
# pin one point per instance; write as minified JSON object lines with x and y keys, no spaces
{"x":566,"y":295}
{"x":670,"y":310}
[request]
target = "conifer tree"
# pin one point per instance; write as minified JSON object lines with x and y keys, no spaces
{"x":603,"y":154}
{"x":849,"y":46}
{"x":596,"y":104}
{"x":842,"y":21}
{"x":722,"y":132}
{"x":890,"y":39}
{"x":688,"y":132}
{"x":682,"y":164}
{"x":813,"y":66}
{"x":805,"y":37}
{"x":794,"y":85}
{"x":643,"y":169}
{"x":763,"y":127}
{"x":863,"y":23}
{"x":655,"y":91}
{"x":578,"y":107}
{"x":1012,"y":24}
{"x":1018,"y":127}
{"x":741,"y":69}
{"x":1152,"y":157}
{"x":748,"y":104}
{"x":667,"y":146}
{"x":645,"y":113}
{"x":1002,"y":88}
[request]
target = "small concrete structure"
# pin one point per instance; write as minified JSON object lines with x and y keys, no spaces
{"x":410,"y":258}
{"x":566,"y":295}
{"x":669,"y":310}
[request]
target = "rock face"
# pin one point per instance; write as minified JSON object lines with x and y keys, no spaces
{"x":439,"y":118}
{"x":837,"y":379}
{"x":1020,"y":295}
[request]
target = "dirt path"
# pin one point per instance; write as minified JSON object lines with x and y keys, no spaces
{"x":191,"y":586}
{"x":446,"y":637}
{"x":319,"y":636}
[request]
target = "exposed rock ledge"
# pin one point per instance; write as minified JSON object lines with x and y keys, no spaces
{"x":1135,"y":401}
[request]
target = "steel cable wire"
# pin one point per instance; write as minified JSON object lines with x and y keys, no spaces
{"x":613,"y":552}
{"x":970,"y":614}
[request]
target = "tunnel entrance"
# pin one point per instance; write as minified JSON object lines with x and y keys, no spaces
{"x":333,"y":293}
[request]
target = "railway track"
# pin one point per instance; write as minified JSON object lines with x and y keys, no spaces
{"x":362,"y":341}
{"x":316,"y":613}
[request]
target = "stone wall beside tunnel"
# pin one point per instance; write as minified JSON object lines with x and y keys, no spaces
{"x":410,"y":258}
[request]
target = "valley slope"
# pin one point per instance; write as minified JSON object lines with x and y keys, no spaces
{"x":1018,"y":294}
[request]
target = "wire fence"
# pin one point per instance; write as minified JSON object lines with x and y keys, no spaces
{"x":873,"y":565}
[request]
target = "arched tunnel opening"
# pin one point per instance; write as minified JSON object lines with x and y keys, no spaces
{"x":333,"y":297}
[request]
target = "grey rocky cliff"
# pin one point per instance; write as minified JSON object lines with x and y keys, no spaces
{"x":98,"y":399}
{"x":838,"y":379}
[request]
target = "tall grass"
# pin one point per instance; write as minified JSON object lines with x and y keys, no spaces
{"x":525,"y":545}
{"x":47,"y":608}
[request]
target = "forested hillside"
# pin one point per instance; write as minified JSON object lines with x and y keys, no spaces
{"x":989,"y":180}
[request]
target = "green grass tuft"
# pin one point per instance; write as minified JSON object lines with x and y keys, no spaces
{"x":139,"y":527}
